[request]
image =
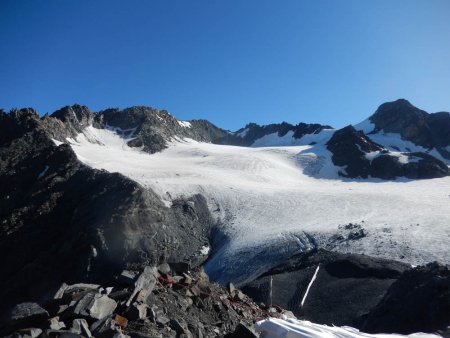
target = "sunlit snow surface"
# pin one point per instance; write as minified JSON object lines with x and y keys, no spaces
{"x":293,"y":328}
{"x":269,"y":195}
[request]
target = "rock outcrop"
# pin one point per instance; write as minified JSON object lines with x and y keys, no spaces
{"x":374,"y":295}
{"x":360,"y":157}
{"x":346,"y":287}
{"x":418,"y":301}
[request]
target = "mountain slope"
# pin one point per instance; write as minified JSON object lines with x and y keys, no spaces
{"x":63,"y":221}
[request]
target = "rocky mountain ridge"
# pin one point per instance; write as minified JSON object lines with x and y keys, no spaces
{"x":360,"y":152}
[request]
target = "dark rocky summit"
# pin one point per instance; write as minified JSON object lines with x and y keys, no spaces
{"x":360,"y":157}
{"x":413,"y":124}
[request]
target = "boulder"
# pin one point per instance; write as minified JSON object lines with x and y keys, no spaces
{"x":55,"y":324}
{"x":80,"y":326}
{"x":144,"y":284}
{"x":137,"y":311}
{"x":96,"y":306}
{"x":104,"y":328}
{"x":103,"y":306}
{"x":230,"y":287}
{"x":28,"y":333}
{"x":164,"y":268}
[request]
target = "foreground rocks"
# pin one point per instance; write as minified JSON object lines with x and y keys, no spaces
{"x":157,"y":302}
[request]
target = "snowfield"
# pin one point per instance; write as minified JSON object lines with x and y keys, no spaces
{"x":293,"y":328}
{"x":276,"y":201}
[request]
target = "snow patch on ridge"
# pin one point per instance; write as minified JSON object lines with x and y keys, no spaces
{"x":185,"y":124}
{"x":274,"y":140}
{"x":394,"y":141}
{"x":243,"y":133}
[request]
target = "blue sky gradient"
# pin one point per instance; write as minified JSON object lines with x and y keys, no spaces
{"x":230,"y":62}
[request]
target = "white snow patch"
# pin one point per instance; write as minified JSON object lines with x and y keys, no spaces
{"x":395,"y":143}
{"x":294,"y":328}
{"x":56,"y":142}
{"x":274,"y":140}
{"x":205,"y":250}
{"x":43,"y":172}
{"x":185,"y":124}
{"x":243,"y":133}
{"x":75,"y":115}
{"x":402,"y":158}
{"x":372,"y":155}
{"x":365,"y":126}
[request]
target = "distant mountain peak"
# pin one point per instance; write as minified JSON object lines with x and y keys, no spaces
{"x":413,"y":124}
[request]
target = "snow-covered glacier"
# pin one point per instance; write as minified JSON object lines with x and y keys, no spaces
{"x":275,"y":201}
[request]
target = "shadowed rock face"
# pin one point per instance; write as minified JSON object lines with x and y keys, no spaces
{"x":63,"y":221}
{"x":413,"y":124}
{"x":418,"y":301}
{"x":374,"y":295}
{"x":347,"y":286}
{"x":351,"y":149}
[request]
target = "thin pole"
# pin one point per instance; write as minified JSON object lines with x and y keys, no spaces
{"x":271,"y":284}
{"x":309,"y":286}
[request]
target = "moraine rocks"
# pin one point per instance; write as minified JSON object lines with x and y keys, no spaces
{"x":169,"y":304}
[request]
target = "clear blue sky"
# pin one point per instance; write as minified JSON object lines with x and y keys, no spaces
{"x":229,"y":61}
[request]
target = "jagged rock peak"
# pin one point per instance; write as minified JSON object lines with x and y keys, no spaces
{"x":413,"y":124}
{"x":76,"y":112}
